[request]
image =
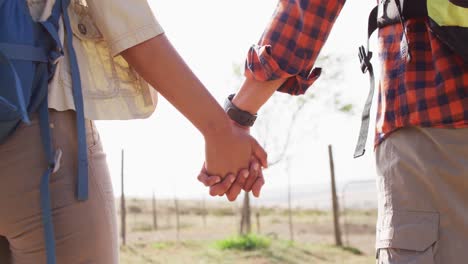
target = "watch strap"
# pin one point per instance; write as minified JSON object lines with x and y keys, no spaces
{"x":240,"y":116}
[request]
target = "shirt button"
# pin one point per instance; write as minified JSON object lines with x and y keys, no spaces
{"x":82,"y":29}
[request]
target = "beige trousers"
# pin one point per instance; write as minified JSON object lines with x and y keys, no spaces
{"x":423,"y":197}
{"x":85,"y":232}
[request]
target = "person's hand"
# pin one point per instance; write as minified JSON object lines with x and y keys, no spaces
{"x":230,"y":151}
{"x":255,"y":180}
{"x":232,"y":185}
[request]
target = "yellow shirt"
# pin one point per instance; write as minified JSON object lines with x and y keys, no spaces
{"x":101,"y":30}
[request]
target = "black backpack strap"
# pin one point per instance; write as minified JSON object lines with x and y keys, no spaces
{"x":365,"y":56}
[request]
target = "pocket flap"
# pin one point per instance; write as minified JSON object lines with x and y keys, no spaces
{"x":408,"y":230}
{"x":83,"y":25}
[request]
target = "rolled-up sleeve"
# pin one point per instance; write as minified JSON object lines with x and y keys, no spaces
{"x":291,"y":43}
{"x":124,"y":23}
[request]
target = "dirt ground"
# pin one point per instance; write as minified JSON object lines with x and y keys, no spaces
{"x":199,"y":228}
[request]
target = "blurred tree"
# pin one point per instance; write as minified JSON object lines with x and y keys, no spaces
{"x":281,"y":120}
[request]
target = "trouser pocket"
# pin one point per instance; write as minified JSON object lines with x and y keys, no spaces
{"x":407,"y":237}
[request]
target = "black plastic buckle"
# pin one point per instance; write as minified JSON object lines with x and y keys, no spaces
{"x":364,"y":59}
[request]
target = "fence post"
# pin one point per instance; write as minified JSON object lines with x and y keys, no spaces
{"x":155,"y":216}
{"x":290,"y":218}
{"x":336,"y":222}
{"x":246,"y":226}
{"x":204,"y":212}
{"x":177,"y":219}
{"x":259,"y":231}
{"x":123,"y":212}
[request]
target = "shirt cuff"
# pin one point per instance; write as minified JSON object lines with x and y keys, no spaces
{"x":261,"y":66}
{"x":135,"y":37}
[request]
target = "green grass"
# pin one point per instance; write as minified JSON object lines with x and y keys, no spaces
{"x":353,"y":250}
{"x":246,"y":243}
{"x":162,"y":245}
{"x":240,"y":252}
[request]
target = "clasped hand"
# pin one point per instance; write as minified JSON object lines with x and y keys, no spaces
{"x":233,"y":162}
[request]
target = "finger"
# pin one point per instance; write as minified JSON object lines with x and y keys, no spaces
{"x":260,"y":153}
{"x":208,"y":180}
{"x":257,"y":187}
{"x":253,"y":174}
{"x":236,"y":187}
{"x":222,"y":187}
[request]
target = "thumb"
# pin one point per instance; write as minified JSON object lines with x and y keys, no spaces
{"x":259,"y":153}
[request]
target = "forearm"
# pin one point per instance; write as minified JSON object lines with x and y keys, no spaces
{"x":162,"y":67}
{"x":254,"y":94}
{"x":286,"y":51}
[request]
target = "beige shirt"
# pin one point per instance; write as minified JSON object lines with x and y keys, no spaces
{"x":101,"y":30}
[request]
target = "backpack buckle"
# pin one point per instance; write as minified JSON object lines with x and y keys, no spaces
{"x":364,"y":59}
{"x":55,"y":166}
{"x":55,"y":57}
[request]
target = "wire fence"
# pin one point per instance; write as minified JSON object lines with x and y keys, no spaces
{"x":205,"y":219}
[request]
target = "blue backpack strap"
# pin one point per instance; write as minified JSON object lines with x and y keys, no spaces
{"x":51,"y":25}
{"x":45,"y":189}
{"x":78,"y":100}
{"x":24,"y":52}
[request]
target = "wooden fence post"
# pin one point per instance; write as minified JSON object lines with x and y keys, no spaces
{"x":246,"y":225}
{"x":204,"y":212}
{"x":155,"y":216}
{"x":177,"y":219}
{"x":336,"y":221}
{"x":290,"y":218}
{"x":123,"y":211}
{"x":259,"y":231}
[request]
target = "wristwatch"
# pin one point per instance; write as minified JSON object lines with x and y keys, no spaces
{"x":241,"y":117}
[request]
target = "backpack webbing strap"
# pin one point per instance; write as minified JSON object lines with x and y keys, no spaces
{"x":53,"y":32}
{"x":79,"y":105}
{"x":365,"y":55}
{"x":23,"y":52}
{"x":46,"y":206}
{"x":51,"y":26}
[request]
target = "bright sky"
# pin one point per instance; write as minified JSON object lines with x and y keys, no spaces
{"x":165,"y":152}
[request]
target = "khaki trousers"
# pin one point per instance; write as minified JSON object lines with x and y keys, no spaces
{"x":85,"y":232}
{"x":423,"y":197}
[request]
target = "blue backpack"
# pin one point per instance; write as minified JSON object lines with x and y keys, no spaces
{"x":29,"y":52}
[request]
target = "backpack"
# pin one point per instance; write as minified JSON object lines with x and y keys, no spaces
{"x":448,"y":21}
{"x":29,"y":53}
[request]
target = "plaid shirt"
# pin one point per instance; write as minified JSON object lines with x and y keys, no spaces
{"x":430,"y":90}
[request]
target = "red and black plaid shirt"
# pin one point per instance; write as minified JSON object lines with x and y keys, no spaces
{"x":430,"y":90}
